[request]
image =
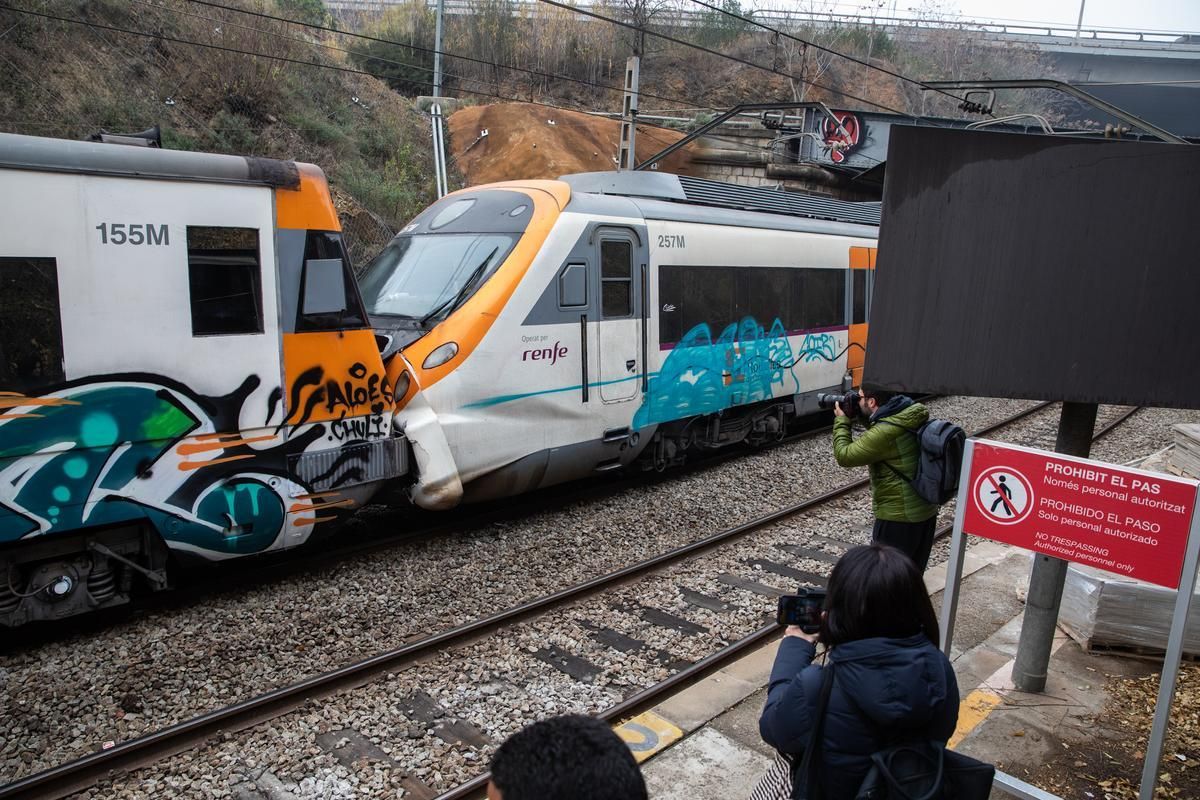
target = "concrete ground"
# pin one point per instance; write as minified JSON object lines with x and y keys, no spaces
{"x":709,"y":747}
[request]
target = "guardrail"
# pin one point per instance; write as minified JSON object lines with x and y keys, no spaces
{"x":894,"y":25}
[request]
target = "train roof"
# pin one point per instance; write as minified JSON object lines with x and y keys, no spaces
{"x":64,"y":155}
{"x":697,"y":191}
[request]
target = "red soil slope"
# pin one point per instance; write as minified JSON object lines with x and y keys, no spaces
{"x":530,"y":141}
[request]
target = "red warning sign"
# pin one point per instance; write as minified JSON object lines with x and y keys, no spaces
{"x":1003,"y":495}
{"x":1123,"y":520}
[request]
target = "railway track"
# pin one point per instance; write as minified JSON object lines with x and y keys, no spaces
{"x":652,"y":695}
{"x":198,"y":585}
{"x":68,"y":698}
{"x":130,"y":755}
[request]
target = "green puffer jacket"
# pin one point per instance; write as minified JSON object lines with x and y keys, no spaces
{"x":891,"y":496}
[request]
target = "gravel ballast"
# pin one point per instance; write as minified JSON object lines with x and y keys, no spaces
{"x":66,"y":698}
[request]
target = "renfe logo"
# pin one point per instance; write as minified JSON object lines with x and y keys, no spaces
{"x":551,"y":354}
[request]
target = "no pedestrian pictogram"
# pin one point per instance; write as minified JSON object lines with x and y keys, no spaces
{"x":1003,"y":495}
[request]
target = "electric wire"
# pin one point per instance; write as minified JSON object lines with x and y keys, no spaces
{"x":737,"y":59}
{"x":444,"y":53}
{"x":830,"y":50}
{"x":283,"y":59}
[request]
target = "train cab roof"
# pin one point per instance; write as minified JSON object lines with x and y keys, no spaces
{"x":678,"y":198}
{"x":698,"y":191}
{"x":43,"y":154}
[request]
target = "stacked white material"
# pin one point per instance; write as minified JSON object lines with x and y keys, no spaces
{"x":1101,"y":610}
{"x":1185,"y":457}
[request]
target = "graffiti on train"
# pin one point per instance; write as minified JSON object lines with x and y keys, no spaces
{"x":819,"y":347}
{"x":318,"y":395}
{"x":745,"y":364}
{"x":140,"y":448}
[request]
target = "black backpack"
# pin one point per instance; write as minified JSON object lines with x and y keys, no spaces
{"x":940,"y":446}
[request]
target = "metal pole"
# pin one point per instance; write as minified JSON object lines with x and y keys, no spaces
{"x":1170,"y":673}
{"x":437,"y":50}
{"x":1075,"y":427}
{"x":958,"y":546}
{"x":627,"y":154}
{"x":1079,"y":25}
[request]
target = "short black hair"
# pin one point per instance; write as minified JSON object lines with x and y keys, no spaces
{"x":572,"y":757}
{"x":876,"y":590}
{"x":880,"y":396}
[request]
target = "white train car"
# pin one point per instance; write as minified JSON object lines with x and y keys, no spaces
{"x":542,"y":331}
{"x":186,"y":369}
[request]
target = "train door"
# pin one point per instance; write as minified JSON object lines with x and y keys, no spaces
{"x":621,"y":255}
{"x":862,"y":266}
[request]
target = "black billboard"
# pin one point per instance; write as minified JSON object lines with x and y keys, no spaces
{"x":1013,"y":265}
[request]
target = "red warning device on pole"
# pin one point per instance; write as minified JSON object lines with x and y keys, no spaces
{"x":1118,"y":519}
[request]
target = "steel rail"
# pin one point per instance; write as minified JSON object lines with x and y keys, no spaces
{"x":647,"y":698}
{"x":82,"y":773}
{"x":199,"y":583}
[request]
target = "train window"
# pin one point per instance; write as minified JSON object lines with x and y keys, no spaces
{"x":819,"y":299}
{"x":328,"y":291}
{"x":225,"y":281}
{"x":572,"y":286}
{"x":324,"y":287}
{"x":616,"y":278}
{"x":693,"y":296}
{"x":860,"y":296}
{"x":768,"y":298}
{"x":31,"y":347}
{"x":450,"y":213}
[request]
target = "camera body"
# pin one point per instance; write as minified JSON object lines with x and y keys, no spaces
{"x":803,"y":609}
{"x":849,"y":401}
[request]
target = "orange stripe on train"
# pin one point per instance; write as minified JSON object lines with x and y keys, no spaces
{"x":469,"y":324}
{"x":309,"y":207}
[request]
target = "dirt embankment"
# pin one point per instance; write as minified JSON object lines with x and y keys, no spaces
{"x":530,"y":141}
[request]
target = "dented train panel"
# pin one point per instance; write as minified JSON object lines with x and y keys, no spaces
{"x":606,"y":329}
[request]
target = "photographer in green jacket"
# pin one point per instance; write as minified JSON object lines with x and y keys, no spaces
{"x":890,"y":452}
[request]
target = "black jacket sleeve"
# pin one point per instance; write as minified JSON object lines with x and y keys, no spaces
{"x":791,"y":696}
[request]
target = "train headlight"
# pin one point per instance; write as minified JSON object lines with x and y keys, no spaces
{"x":440,"y":355}
{"x":402,"y":385}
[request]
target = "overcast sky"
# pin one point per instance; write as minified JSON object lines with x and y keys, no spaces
{"x":1168,"y":15}
{"x":1138,"y":15}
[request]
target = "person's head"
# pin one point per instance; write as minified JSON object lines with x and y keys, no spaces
{"x":876,"y":590}
{"x":570,"y":757}
{"x":871,"y":399}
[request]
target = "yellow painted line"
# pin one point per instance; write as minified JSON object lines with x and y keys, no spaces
{"x":647,"y":734}
{"x":971,"y":712}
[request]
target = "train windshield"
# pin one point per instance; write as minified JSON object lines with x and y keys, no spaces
{"x":444,"y":255}
{"x":428,"y":275}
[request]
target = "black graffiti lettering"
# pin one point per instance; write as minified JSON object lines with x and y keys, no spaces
{"x":363,"y":389}
{"x":334,"y":397}
{"x":358,"y":428}
{"x":356,"y":394}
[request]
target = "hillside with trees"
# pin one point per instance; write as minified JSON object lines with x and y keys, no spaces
{"x":289,"y":79}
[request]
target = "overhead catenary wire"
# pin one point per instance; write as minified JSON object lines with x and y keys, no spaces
{"x":718,"y":54}
{"x":283,"y":59}
{"x":443,"y":52}
{"x":823,"y":48}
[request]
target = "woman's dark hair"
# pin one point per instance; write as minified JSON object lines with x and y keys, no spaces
{"x":876,"y":590}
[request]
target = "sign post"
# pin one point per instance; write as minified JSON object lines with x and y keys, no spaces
{"x":1126,"y":521}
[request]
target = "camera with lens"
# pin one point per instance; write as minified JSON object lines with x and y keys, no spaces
{"x":849,"y":401}
{"x":803,"y":609}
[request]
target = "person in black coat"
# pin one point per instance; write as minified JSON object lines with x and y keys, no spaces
{"x":891,"y":683}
